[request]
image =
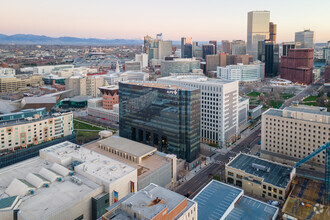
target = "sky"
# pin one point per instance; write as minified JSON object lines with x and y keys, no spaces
{"x":203,"y":20}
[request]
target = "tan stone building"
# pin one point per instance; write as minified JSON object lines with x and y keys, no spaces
{"x":84,"y":86}
{"x":260,"y":177}
{"x":12,"y":84}
{"x":290,"y":134}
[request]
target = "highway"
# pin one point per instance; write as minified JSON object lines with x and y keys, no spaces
{"x":201,"y":179}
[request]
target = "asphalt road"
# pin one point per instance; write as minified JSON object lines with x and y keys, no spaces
{"x":306,"y":92}
{"x":195,"y":184}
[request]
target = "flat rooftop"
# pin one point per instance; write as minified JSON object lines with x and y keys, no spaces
{"x":299,"y":108}
{"x":145,"y":201}
{"x":278,"y":175}
{"x":248,"y":208}
{"x":148,"y":165}
{"x":196,"y":79}
{"x":306,"y":193}
{"x":92,"y":164}
{"x":218,"y":200}
{"x":127,"y":146}
{"x":45,"y":201}
{"x":160,"y":85}
{"x":215,"y":199}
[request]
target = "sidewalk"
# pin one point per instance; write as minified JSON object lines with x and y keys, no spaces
{"x":245,"y":134}
{"x":193,"y":173}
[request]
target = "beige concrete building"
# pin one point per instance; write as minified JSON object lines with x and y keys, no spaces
{"x":12,"y":84}
{"x":65,"y":182}
{"x":153,"y":166}
{"x":29,"y":131}
{"x":84,"y":86}
{"x":290,"y":134}
{"x":260,"y":177}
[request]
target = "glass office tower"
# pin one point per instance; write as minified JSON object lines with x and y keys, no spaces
{"x":166,"y":117}
{"x":257,"y":30}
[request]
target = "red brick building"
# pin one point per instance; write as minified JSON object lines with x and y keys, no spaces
{"x":297,"y":66}
{"x":327,"y":74}
{"x":110,"y":96}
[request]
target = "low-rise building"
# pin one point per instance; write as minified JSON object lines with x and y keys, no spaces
{"x":7,"y":72}
{"x":260,"y":177}
{"x":65,"y":182}
{"x":243,"y":73}
{"x":218,"y":200}
{"x":32,"y":127}
{"x":13,"y":84}
{"x":153,"y":202}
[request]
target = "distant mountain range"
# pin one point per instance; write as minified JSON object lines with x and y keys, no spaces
{"x":45,"y":40}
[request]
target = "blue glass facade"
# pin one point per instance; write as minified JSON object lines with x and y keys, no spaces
{"x":167,"y":118}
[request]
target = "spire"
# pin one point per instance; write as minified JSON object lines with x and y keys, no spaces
{"x":117,"y":67}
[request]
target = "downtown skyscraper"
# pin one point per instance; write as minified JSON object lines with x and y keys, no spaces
{"x":257,"y":30}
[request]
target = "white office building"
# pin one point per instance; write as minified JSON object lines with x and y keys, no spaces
{"x":305,"y":39}
{"x":219,"y":106}
{"x":179,"y":65}
{"x":7,"y":72}
{"x":143,"y":59}
{"x":242,"y":73}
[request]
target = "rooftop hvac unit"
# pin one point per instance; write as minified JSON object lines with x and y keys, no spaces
{"x":260,"y":167}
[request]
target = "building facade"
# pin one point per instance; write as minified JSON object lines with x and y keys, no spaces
{"x":186,"y":47}
{"x":31,"y":127}
{"x":293,"y":133}
{"x":298,"y":66}
{"x":260,"y":177}
{"x":12,"y":84}
{"x":305,"y":39}
{"x":238,"y":47}
{"x":219,"y":106}
{"x":286,"y":46}
{"x":226,"y":47}
{"x":268,"y":52}
{"x":257,"y":30}
{"x":177,"y":65}
{"x":272,"y":32}
{"x":242,"y":73}
{"x":208,"y":49}
{"x":160,"y":115}
{"x":326,"y":53}
{"x":7,"y":72}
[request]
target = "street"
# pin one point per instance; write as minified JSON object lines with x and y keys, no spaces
{"x":201,"y":179}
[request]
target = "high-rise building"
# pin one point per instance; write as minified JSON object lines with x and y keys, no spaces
{"x":178,"y":65}
{"x":292,"y":133}
{"x":197,"y":50}
{"x":161,"y":115}
{"x":238,"y":47}
{"x":226,"y":47}
{"x":257,"y":30}
{"x":215,"y":43}
{"x":272,"y":32}
{"x":286,"y":46}
{"x":84,"y":86}
{"x":186,"y":47}
{"x":268,"y":52}
{"x":326,"y":53}
{"x":165,"y":49}
{"x":143,"y":58}
{"x":213,"y":61}
{"x":305,"y":39}
{"x":219,"y":106}
{"x":327,"y":75}
{"x":208,"y":49}
{"x":298,"y":66}
{"x":157,"y":48}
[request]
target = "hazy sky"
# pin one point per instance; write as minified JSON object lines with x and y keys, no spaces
{"x":201,"y":19}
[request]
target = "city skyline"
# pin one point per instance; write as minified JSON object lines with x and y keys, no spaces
{"x":110,"y":20}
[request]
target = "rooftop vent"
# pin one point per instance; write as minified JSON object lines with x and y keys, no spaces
{"x":260,"y":167}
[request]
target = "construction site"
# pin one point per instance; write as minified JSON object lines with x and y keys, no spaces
{"x":306,"y":200}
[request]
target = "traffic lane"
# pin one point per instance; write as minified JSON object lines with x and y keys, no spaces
{"x":200,"y":179}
